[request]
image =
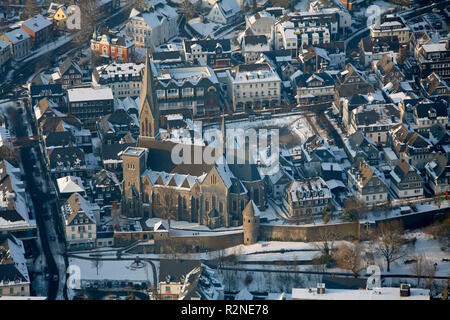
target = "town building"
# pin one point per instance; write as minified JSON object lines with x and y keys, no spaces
{"x":391,"y":25}
{"x":375,"y":121}
{"x":216,"y":53}
{"x":195,"y":89}
{"x":5,"y":56}
{"x":410,"y":146}
{"x":105,"y":187}
{"x":89,"y":103}
{"x":14,"y":279}
{"x":124,"y":79}
{"x":305,"y":198}
{"x":40,"y":30}
{"x":69,"y":74}
{"x":19,"y":41}
{"x":434,"y":58}
{"x":372,"y":49}
{"x":253,"y":45}
{"x":80,"y":222}
{"x":438,"y":174}
{"x":253,"y":86}
{"x":406,"y":181}
{"x":225,"y":12}
{"x":316,"y":88}
{"x":111,"y":44}
{"x":366,"y":185}
{"x":154,"y":26}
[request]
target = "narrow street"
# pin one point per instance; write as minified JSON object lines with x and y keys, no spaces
{"x":37,"y":197}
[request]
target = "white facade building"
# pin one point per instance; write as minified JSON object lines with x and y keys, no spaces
{"x":253,"y":85}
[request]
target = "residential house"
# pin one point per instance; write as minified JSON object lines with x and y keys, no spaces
{"x":154,"y":26}
{"x":305,"y":198}
{"x":373,"y":49}
{"x":434,"y":58}
{"x":19,"y":41}
{"x":422,"y":115}
{"x":216,"y":53}
{"x":225,"y":12}
{"x":40,"y":30}
{"x":69,"y":185}
{"x":391,"y":25}
{"x":361,"y":148}
{"x":262,"y":22}
{"x":15,"y":204}
{"x":105,"y":187}
{"x":69,"y":73}
{"x":386,"y":71}
{"x":316,"y":88}
{"x":406,"y":181}
{"x":410,"y":146}
{"x":124,"y":79}
{"x":375,"y":121}
{"x":435,"y":88}
{"x":438,"y":174}
{"x":54,"y":92}
{"x":113,"y":127}
{"x":253,"y":45}
{"x":366,"y":184}
{"x":80,"y":222}
{"x":111,"y":155}
{"x":5,"y":56}
{"x":66,"y":161}
{"x":174,"y":277}
{"x":14,"y":276}
{"x":112,"y":44}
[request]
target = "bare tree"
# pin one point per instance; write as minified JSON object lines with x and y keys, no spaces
{"x":429,"y":271}
{"x":354,"y":209}
{"x":325,"y":245}
{"x":30,"y":9}
{"x":417,"y":267}
{"x":388,"y":240}
{"x":349,"y":257}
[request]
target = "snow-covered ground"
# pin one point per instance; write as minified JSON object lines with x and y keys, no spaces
{"x":116,"y":270}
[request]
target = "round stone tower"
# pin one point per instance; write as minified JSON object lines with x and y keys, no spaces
{"x":250,"y":217}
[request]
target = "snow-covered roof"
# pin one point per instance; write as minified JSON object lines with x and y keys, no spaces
{"x":37,"y":23}
{"x":89,"y":94}
{"x":70,"y":184}
{"x":189,"y":74}
{"x":17,"y":35}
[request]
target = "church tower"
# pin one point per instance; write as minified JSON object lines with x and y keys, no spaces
{"x":148,"y":111}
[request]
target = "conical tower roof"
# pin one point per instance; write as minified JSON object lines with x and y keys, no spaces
{"x":251,"y":210}
{"x":147,"y":85}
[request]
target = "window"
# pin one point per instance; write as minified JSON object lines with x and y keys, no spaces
{"x":188,"y":92}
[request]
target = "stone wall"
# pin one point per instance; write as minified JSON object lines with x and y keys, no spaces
{"x":308,"y":233}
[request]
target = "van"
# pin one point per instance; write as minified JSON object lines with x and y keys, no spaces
{"x":405,"y":210}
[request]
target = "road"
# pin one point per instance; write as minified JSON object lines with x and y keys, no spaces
{"x":36,"y":195}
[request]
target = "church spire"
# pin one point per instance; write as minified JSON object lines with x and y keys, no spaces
{"x":148,"y":112}
{"x":224,"y":135}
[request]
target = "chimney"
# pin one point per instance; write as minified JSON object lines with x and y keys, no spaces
{"x":321,"y":288}
{"x":405,"y":290}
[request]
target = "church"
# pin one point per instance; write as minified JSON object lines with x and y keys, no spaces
{"x":214,"y":195}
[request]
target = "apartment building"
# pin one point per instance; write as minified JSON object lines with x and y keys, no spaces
{"x":124,"y":79}
{"x":253,"y":86}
